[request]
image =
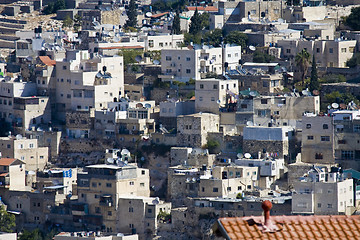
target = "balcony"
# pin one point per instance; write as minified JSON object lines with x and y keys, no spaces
{"x":106,"y":200}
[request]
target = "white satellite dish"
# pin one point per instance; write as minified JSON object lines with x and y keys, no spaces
{"x":329,"y":107}
{"x":249,"y":123}
{"x":110,"y":160}
{"x":138,"y":58}
{"x":285,"y":95}
{"x":148,"y":14}
{"x":156,"y":62}
{"x":218,"y":101}
{"x":19,"y":137}
{"x":252,"y":93}
{"x":147,"y":105}
{"x":335,"y":105}
{"x":305,"y":92}
{"x":247,"y":155}
{"x":252,"y":48}
{"x":240,"y":155}
{"x":125,"y":152}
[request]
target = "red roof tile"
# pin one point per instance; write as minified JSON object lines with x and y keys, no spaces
{"x":159,"y":15}
{"x":294,"y":227}
{"x":207,"y":9}
{"x":4,"y":174}
{"x":47,"y":61}
{"x":6,"y":161}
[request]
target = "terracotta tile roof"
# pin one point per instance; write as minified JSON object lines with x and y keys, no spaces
{"x":4,"y":174}
{"x":207,"y":9}
{"x":294,"y":227}
{"x":6,"y":161}
{"x":159,"y":15}
{"x":47,"y":61}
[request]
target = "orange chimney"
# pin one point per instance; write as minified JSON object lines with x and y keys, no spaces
{"x":266,"y":206}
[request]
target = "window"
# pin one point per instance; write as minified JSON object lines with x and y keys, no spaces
{"x":97,"y":210}
{"x":317,"y":50}
{"x":343,"y":50}
{"x":94,"y":184}
{"x":212,"y":99}
{"x":149,"y":210}
{"x":142,"y":172}
{"x":109,"y":213}
{"x":331,"y":50}
{"x":108,"y":185}
{"x":319,"y":205}
{"x":215,"y":189}
{"x":356,"y":128}
{"x":288,"y":50}
{"x":131,"y":225}
{"x":131,"y":183}
{"x":325,"y":126}
{"x":200,"y":99}
{"x":168,"y":58}
{"x":188,"y":70}
{"x":329,"y":205}
{"x":347,"y":154}
{"x":263,"y":101}
{"x":342,"y":141}
{"x":318,"y":156}
{"x":308,"y":126}
{"x":201,"y":86}
{"x":31,"y":145}
{"x":151,"y":43}
{"x":229,"y":188}
{"x":142,"y":184}
{"x":131,"y":209}
{"x":161,"y":44}
{"x":64,"y":67}
{"x":325,"y":138}
{"x":215,"y":86}
{"x":188,"y":59}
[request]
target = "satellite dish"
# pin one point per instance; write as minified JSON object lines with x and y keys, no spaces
{"x":335,"y":105}
{"x":31,"y":173}
{"x":247,"y":155}
{"x":125,"y":152}
{"x":316,"y":92}
{"x":156,"y":62}
{"x":218,"y":101}
{"x":212,"y":61}
{"x":148,"y":14}
{"x":18,"y":137}
{"x":329,"y":107}
{"x":249,"y":123}
{"x":252,"y":93}
{"x":138,"y":58}
{"x":240,"y":155}
{"x":110,"y":160}
{"x":305,"y":93}
{"x":147,"y":105}
{"x":120,"y":163}
{"x":252,"y":48}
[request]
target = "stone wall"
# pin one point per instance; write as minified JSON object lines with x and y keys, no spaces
{"x":254,"y":147}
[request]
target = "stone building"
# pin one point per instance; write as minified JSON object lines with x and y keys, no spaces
{"x":192,"y":130}
{"x":317,"y":139}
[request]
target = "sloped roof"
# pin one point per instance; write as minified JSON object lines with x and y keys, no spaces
{"x":159,"y":15}
{"x":293,"y":227}
{"x":6,"y":161}
{"x":47,"y":61}
{"x":207,"y":9}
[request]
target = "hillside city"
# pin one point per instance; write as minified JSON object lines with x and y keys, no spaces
{"x":137,"y":120}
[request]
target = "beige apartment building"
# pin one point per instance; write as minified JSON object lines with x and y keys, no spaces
{"x":317,"y":139}
{"x":83,"y":83}
{"x":327,"y":53}
{"x":192,"y":130}
{"x":12,"y":174}
{"x":100,"y":189}
{"x":27,"y":150}
{"x":184,"y":64}
{"x":140,"y":215}
{"x":213,"y":94}
{"x":323,"y":193}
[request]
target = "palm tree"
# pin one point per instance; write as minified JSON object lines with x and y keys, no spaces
{"x":302,"y":60}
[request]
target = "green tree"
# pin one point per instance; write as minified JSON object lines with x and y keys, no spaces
{"x":213,"y":37}
{"x":213,"y":146}
{"x":54,"y":7}
{"x":302,"y":61}
{"x":132,"y":15}
{"x":188,"y":38}
{"x":176,"y":24}
{"x":195,"y":25}
{"x":129,"y":55}
{"x":77,"y":22}
{"x":31,"y":235}
{"x":314,"y":80}
{"x":353,"y":61}
{"x":238,"y":38}
{"x":204,"y":19}
{"x":353,"y":20}
{"x":262,"y":57}
{"x":7,"y":221}
{"x":68,"y":22}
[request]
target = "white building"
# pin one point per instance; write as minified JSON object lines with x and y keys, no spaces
{"x":323,"y":193}
{"x":183,"y":64}
{"x":84,"y":83}
{"x":212,"y":94}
